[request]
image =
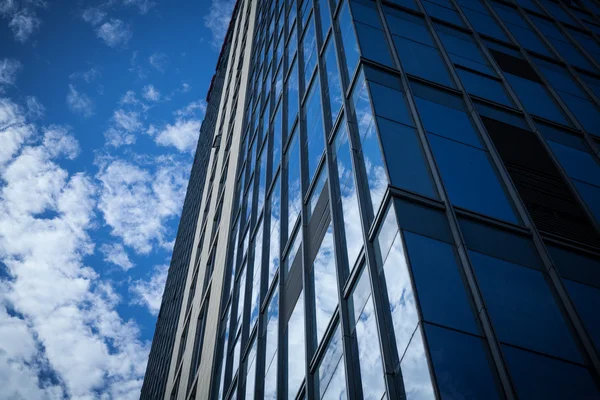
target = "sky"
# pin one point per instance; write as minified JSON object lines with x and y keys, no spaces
{"x":100,"y":108}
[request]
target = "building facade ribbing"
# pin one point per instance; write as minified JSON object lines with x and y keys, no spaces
{"x":403,"y":202}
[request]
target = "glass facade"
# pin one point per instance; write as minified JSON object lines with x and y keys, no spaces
{"x":416,"y":211}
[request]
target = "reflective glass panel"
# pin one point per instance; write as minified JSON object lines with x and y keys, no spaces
{"x":324,"y":277}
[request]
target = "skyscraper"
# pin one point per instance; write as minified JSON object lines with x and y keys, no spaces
{"x":403,"y":202}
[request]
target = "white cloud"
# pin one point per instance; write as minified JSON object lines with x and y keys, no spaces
{"x":114,"y":33}
{"x":129,"y":121}
{"x":136,"y":68}
{"x":194,"y":109}
{"x":116,"y":138}
{"x":183,"y":135}
{"x":217,"y":20}
{"x":79,"y":103}
{"x":116,"y":254}
{"x":35,"y":109}
{"x":13,"y":130}
{"x":136,"y":202}
{"x":142,"y":5}
{"x":21,"y":16}
{"x":8,"y":72}
{"x":93,"y":15}
{"x":150,"y":93}
{"x":159,"y":61}
{"x":185,"y":87}
{"x":129,"y":98}
{"x":58,"y":319}
{"x":149,"y":293}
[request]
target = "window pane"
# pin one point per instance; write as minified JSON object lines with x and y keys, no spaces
{"x":292,"y":93}
{"x":483,"y":86}
{"x":350,"y":46}
{"x":316,"y":192}
{"x":325,"y":17}
{"x":271,"y":346}
{"x":539,"y":377}
{"x":440,"y":287}
{"x":423,"y":61}
{"x":587,"y":301}
{"x":470,"y":179}
{"x":262,"y":182}
{"x":275,"y":230}
{"x":522,"y":307}
{"x":348,"y":196}
{"x":309,"y":49}
{"x":373,"y":44}
{"x":257,"y":273}
{"x":415,"y":371}
{"x":324,"y":276}
{"x":277,"y":135}
{"x":365,"y":331}
{"x":333,"y":81}
{"x":460,"y":364}
{"x":331,"y":371}
{"x":294,"y":188}
{"x":296,"y":348}
{"x":315,"y":134}
{"x":251,"y":374}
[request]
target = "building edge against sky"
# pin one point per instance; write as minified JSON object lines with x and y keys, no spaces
{"x":155,"y":379}
{"x":402,"y":201}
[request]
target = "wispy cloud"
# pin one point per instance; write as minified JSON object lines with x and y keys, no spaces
{"x":185,"y":87}
{"x":159,"y":61}
{"x":217,"y":20}
{"x":114,"y":32}
{"x":149,"y":293}
{"x":8,"y":72}
{"x":93,"y":15}
{"x":183,"y":134}
{"x":123,"y":126}
{"x":116,"y":254}
{"x":136,"y":67}
{"x":150,"y":93}
{"x":79,"y":103}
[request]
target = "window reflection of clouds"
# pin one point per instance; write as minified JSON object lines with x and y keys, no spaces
{"x":315,"y":135}
{"x":257,"y":274}
{"x":331,"y":372}
{"x":376,"y":175}
{"x":271,"y":327}
{"x":309,"y":43}
{"x":292,"y":98}
{"x":296,"y":348}
{"x":351,"y":213}
{"x":325,"y":284}
{"x":275,"y":231}
{"x":262,"y":182}
{"x":349,"y":42}
{"x":365,"y":329}
{"x":251,"y":374}
{"x":277,"y":132}
{"x":293,"y":182}
{"x":415,"y":372}
{"x":293,"y":249}
{"x":316,"y":192}
{"x":333,"y":80}
{"x":241,"y":296}
{"x":225,"y":327}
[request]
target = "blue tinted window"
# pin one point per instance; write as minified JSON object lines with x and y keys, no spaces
{"x":586,"y":112}
{"x":390,"y":103}
{"x":591,"y":196}
{"x":296,"y":348}
{"x":315,"y":134}
{"x":415,"y":369}
{"x":373,"y":44}
{"x":408,"y":26}
{"x":460,"y":364}
{"x":334,"y":83}
{"x":277,"y":135}
{"x":348,"y":197}
{"x":270,"y":334}
{"x":536,"y":99}
{"x":484,"y":86}
{"x":325,"y":17}
{"x":405,"y":158}
{"x":539,"y":377}
{"x":447,"y":121}
{"x":325,"y":284}
{"x":447,"y":13}
{"x":463,"y":50}
{"x":485,"y":24}
{"x":587,"y":302}
{"x":292,"y":97}
{"x":294,"y":189}
{"x":440,"y":287}
{"x":522,"y":307}
{"x":292,"y":46}
{"x":331,"y":370}
{"x":578,"y":164}
{"x":470,"y":179}
{"x":423,"y":61}
{"x":348,"y":39}
{"x":309,"y":50}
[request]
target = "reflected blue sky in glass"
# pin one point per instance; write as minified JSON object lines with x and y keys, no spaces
{"x":271,"y":345}
{"x":334,"y":83}
{"x":294,"y":187}
{"x":275,"y":229}
{"x":331,"y":371}
{"x":257,"y":273}
{"x":251,"y":371}
{"x":296,"y":348}
{"x":315,"y":133}
{"x":415,"y":371}
{"x":324,"y":277}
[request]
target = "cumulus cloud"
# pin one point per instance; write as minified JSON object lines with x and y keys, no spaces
{"x":159,"y":61}
{"x":217,"y":20}
{"x":116,"y":254}
{"x":114,"y":32}
{"x":79,"y":103}
{"x":60,"y":333}
{"x":136,"y":201}
{"x":150,"y":93}
{"x":194,"y":109}
{"x":8,"y":72}
{"x":183,"y":134}
{"x":149,"y":293}
{"x":122,"y":128}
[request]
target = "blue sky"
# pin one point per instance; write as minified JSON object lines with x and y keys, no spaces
{"x":100,"y":107}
